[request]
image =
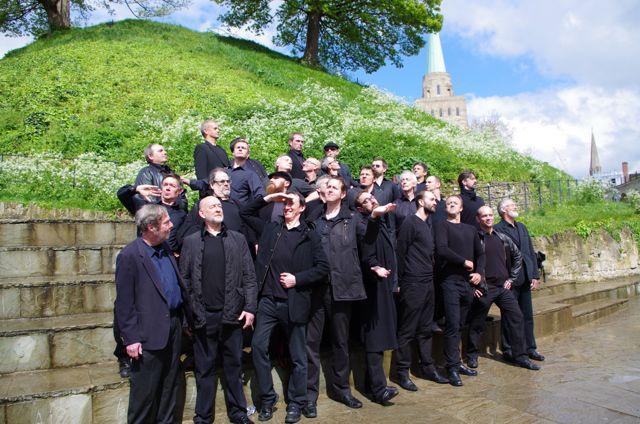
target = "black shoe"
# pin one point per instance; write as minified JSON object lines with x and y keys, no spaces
{"x":310,"y":410}
{"x":405,"y":382}
{"x":266,"y":413}
{"x":350,"y":401}
{"x":243,"y":419}
{"x":466,"y":371}
{"x":525,"y":363}
{"x":293,"y":414}
{"x":507,"y":356}
{"x":431,"y":373}
{"x":454,"y":377}
{"x":125,"y":367}
{"x":472,"y":362}
{"x":387,"y":394}
{"x":536,"y":356}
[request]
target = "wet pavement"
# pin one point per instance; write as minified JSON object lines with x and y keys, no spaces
{"x":591,"y":375}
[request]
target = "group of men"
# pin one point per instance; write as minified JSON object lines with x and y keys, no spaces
{"x":310,"y":250}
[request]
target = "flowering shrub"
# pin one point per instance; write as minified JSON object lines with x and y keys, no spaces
{"x":633,"y":197}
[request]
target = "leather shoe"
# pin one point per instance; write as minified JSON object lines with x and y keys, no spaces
{"x":293,"y":415}
{"x":266,"y":413}
{"x":507,"y":356}
{"x":310,"y":410}
{"x":243,"y":419}
{"x":388,"y":394}
{"x":431,"y":373}
{"x":472,"y":362}
{"x":406,"y":383}
{"x":454,"y":377}
{"x":466,"y":371}
{"x":125,"y":367}
{"x":350,"y":401}
{"x":525,"y":363}
{"x":536,"y":356}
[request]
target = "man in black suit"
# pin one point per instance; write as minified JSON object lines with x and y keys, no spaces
{"x":149,"y":310}
{"x":296,"y":142}
{"x":209,"y":155}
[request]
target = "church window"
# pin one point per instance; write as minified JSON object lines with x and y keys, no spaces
{"x":441,"y":112}
{"x":438,"y":89}
{"x":457,"y":111}
{"x":449,"y":111}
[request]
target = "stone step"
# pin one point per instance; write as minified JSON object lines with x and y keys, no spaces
{"x":32,"y":233}
{"x":56,"y":342}
{"x":586,"y":292}
{"x":37,"y":297}
{"x":57,"y":261}
{"x":595,"y":309}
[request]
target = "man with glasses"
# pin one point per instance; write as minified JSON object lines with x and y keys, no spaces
{"x":296,"y":142}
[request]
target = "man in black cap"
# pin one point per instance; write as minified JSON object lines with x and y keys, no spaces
{"x":332,"y":150}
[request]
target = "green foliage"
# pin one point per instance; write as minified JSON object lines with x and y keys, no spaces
{"x":342,"y":35}
{"x":633,"y":198}
{"x":590,"y":191}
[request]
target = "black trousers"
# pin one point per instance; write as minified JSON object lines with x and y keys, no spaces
{"x":457,"y":296}
{"x":510,"y":316}
{"x":416,"y":306}
{"x":522,"y":294}
{"x":216,"y":337}
{"x":272,"y":312}
{"x":375,"y":380}
{"x":152,"y":393}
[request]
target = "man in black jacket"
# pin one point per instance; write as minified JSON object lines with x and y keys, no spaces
{"x":503,"y":262}
{"x":296,"y":142}
{"x":221,"y":285}
{"x":467,"y":182}
{"x":528,"y":277}
{"x":208,"y":155}
{"x":290,"y":262}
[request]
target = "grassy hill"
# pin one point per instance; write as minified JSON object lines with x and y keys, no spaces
{"x":105,"y":92}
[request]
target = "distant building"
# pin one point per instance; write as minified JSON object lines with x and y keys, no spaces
{"x":595,"y":170}
{"x":437,"y":90}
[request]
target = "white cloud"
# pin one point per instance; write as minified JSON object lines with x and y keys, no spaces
{"x":555,"y":125}
{"x":10,"y":43}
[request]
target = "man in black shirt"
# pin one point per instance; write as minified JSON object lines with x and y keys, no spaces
{"x":296,"y":142}
{"x":467,"y":182}
{"x":290,"y":261}
{"x":221,"y":284}
{"x":208,"y":155}
{"x":461,"y":260}
{"x":503,"y":263}
{"x":416,"y":304}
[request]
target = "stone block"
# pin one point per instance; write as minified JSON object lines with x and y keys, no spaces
{"x":110,"y":406}
{"x":47,"y":301}
{"x":9,"y":303}
{"x":70,"y":348}
{"x":109,"y":259}
{"x":125,"y":232}
{"x":99,"y":297}
{"x":94,"y":233}
{"x":52,"y":234}
{"x":71,"y":409}
{"x":22,"y":353}
{"x":24,"y":262}
{"x":17,"y":234}
{"x":65,"y":262}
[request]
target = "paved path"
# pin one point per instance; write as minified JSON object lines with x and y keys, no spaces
{"x":591,"y":375}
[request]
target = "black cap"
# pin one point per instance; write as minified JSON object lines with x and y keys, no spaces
{"x":331,"y":145}
{"x":281,"y":174}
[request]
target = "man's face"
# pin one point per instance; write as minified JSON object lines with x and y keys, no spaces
{"x":322,"y":188}
{"x":284,"y":164}
{"x":221,"y":185}
{"x":511,"y":210}
{"x":211,"y":210}
{"x":470,"y":182}
{"x":162,"y":229}
{"x":454,"y":206}
{"x":171,"y":189}
{"x":367,"y":203}
{"x":333,"y":166}
{"x":297,"y":142}
{"x":292,"y":209}
{"x":309,"y":166}
{"x":212,"y":130}
{"x":333,"y":193}
{"x":429,"y":202}
{"x":158,"y":155}
{"x":366,"y":177}
{"x":277,"y":185}
{"x":241,"y":150}
{"x":431,"y":183}
{"x":332,"y":152}
{"x":419,"y":171}
{"x":378,"y":168}
{"x":407,"y":183}
{"x":485,"y":218}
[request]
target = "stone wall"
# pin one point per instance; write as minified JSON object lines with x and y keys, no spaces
{"x":572,"y":258}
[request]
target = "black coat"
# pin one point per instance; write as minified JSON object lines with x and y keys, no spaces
{"x":470,"y":205}
{"x":523,"y":241}
{"x":206,"y":157}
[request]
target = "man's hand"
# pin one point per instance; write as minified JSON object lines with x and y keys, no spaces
{"x":507,"y":284}
{"x":277,"y":197}
{"x":380,"y":271}
{"x":382,"y":210}
{"x":287,"y":280}
{"x":134,"y":350}
{"x":148,"y":190}
{"x":477,"y":293}
{"x":475,"y":278}
{"x":468,"y":265}
{"x":535,"y":283}
{"x":248,"y":317}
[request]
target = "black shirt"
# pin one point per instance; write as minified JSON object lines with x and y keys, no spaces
{"x":495,"y":270}
{"x":415,"y":249}
{"x":456,"y":243}
{"x":213,"y":270}
{"x":281,"y":261}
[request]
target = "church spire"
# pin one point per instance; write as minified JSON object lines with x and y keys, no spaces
{"x":594,"y":167}
{"x":435,"y":58}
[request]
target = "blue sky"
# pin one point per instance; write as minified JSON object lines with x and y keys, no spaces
{"x":549,"y":71}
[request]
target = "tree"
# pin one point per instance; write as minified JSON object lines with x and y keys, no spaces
{"x":36,"y":17}
{"x":343,"y":34}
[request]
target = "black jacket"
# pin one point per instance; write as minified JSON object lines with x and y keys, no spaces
{"x":206,"y":157}
{"x":240,"y":293}
{"x":309,"y":265}
{"x":529,"y":269}
{"x":471,"y":202}
{"x":514,"y":258}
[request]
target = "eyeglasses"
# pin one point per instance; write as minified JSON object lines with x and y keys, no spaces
{"x":222,"y":181}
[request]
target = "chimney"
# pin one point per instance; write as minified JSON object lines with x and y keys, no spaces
{"x":625,"y":172}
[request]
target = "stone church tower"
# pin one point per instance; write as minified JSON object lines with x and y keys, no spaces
{"x":437,"y":90}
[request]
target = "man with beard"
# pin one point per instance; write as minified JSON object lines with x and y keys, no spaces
{"x":461,"y":260}
{"x":527,"y":280}
{"x":503,"y":263}
{"x":467,"y":182}
{"x":221,"y":283}
{"x":416,"y":303}
{"x":377,"y":311}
